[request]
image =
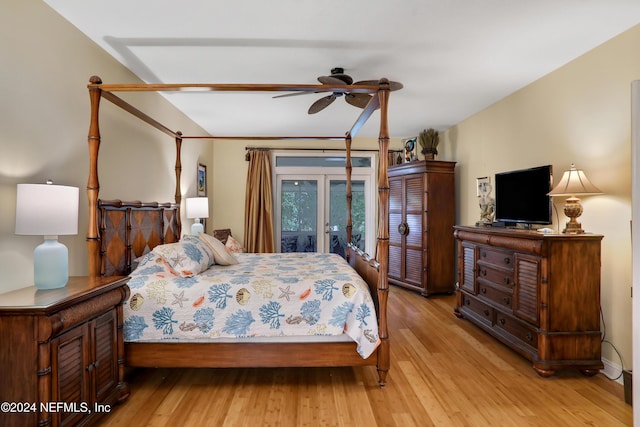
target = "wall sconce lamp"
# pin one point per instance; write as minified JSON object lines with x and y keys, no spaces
{"x":48,"y":210}
{"x":574,"y":182}
{"x":197,"y":207}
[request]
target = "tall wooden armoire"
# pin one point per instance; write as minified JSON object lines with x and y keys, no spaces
{"x":421,"y":220}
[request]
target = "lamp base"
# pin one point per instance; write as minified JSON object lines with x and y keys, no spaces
{"x":50,"y":264}
{"x":196,"y":228}
{"x":573,"y":209}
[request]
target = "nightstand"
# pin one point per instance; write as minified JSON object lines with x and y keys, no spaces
{"x":62,"y":352}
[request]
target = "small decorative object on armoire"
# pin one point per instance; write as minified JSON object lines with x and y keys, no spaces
{"x":48,"y":210}
{"x":574,"y":182}
{"x":409,"y":146}
{"x":429,"y":140}
{"x":197,"y":209}
{"x":421,"y":220}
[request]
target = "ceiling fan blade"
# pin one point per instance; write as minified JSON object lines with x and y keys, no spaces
{"x":392,"y":85}
{"x":294,"y":94}
{"x":330,"y":80}
{"x":359,"y":100}
{"x":321,"y":104}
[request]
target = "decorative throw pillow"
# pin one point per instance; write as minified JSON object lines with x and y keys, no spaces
{"x":221,"y":255}
{"x":187,"y":257}
{"x":234,"y":246}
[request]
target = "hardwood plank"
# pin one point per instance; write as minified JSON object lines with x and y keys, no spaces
{"x":444,"y":372}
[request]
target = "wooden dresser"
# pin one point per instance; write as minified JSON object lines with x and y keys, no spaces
{"x":421,"y":219}
{"x":537,"y":293}
{"x":62,"y":352}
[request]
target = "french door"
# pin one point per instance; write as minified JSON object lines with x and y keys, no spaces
{"x":311,"y":210}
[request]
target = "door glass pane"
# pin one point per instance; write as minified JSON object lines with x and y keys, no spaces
{"x":338,"y":215}
{"x":299,"y":209}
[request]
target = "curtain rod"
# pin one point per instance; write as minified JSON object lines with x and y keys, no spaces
{"x":312,"y":149}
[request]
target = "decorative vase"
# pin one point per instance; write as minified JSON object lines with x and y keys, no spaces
{"x":429,"y":156}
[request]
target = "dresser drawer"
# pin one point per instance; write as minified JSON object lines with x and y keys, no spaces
{"x":479,"y":310}
{"x":501,"y":298}
{"x":498,"y":276}
{"x":496,"y":257}
{"x":521,"y":331}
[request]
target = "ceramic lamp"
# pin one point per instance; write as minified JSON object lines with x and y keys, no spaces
{"x":48,"y":210}
{"x":197,"y":208}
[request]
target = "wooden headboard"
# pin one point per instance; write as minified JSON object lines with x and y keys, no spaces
{"x":129,"y":230}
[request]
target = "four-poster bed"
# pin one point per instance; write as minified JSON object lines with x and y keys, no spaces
{"x":121,"y":232}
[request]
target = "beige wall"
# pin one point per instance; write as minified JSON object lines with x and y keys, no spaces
{"x":44,"y":117}
{"x":580,"y":113}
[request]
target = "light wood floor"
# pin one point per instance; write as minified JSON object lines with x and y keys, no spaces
{"x":444,"y":372}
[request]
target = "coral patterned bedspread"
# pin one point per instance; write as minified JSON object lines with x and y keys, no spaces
{"x":264,"y":295}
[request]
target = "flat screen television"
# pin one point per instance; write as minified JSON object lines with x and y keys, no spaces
{"x":521,"y":195}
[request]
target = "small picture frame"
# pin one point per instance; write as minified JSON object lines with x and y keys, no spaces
{"x":202,"y":180}
{"x":410,"y":148}
{"x":483,"y":186}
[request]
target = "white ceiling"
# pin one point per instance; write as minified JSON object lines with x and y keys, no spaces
{"x":454,"y":57}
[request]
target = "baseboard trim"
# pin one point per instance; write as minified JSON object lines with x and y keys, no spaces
{"x":612,"y":370}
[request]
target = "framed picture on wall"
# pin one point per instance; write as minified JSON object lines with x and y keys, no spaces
{"x":202,"y":180}
{"x":483,"y":186}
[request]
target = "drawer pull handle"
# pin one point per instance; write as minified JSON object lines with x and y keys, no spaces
{"x":468,"y":302}
{"x":507,"y":261}
{"x":502,"y":321}
{"x":507,"y":300}
{"x":486,"y":312}
{"x":483,"y":272}
{"x":507,"y":280}
{"x":529,"y":336}
{"x":483,"y":290}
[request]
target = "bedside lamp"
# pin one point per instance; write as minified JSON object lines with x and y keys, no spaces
{"x":574,"y":182}
{"x":48,"y":210}
{"x":197,"y":207}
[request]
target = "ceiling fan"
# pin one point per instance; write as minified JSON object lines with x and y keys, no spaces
{"x":338,"y":77}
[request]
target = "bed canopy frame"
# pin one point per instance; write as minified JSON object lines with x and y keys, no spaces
{"x":374,"y":271}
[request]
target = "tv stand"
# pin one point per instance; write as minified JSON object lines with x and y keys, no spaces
{"x":539,"y":294}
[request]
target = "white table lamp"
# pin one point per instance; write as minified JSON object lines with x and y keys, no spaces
{"x":48,"y":210}
{"x":197,"y":208}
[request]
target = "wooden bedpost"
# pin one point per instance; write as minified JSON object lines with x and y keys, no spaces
{"x":382,"y":250}
{"x":93,"y":184}
{"x":178,"y":195}
{"x":348,"y":190}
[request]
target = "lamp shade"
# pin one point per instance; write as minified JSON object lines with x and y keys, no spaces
{"x":46,"y":209}
{"x":197,"y":207}
{"x":574,"y":182}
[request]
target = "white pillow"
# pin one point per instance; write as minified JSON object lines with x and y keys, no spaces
{"x":220,"y":254}
{"x":187,"y":257}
